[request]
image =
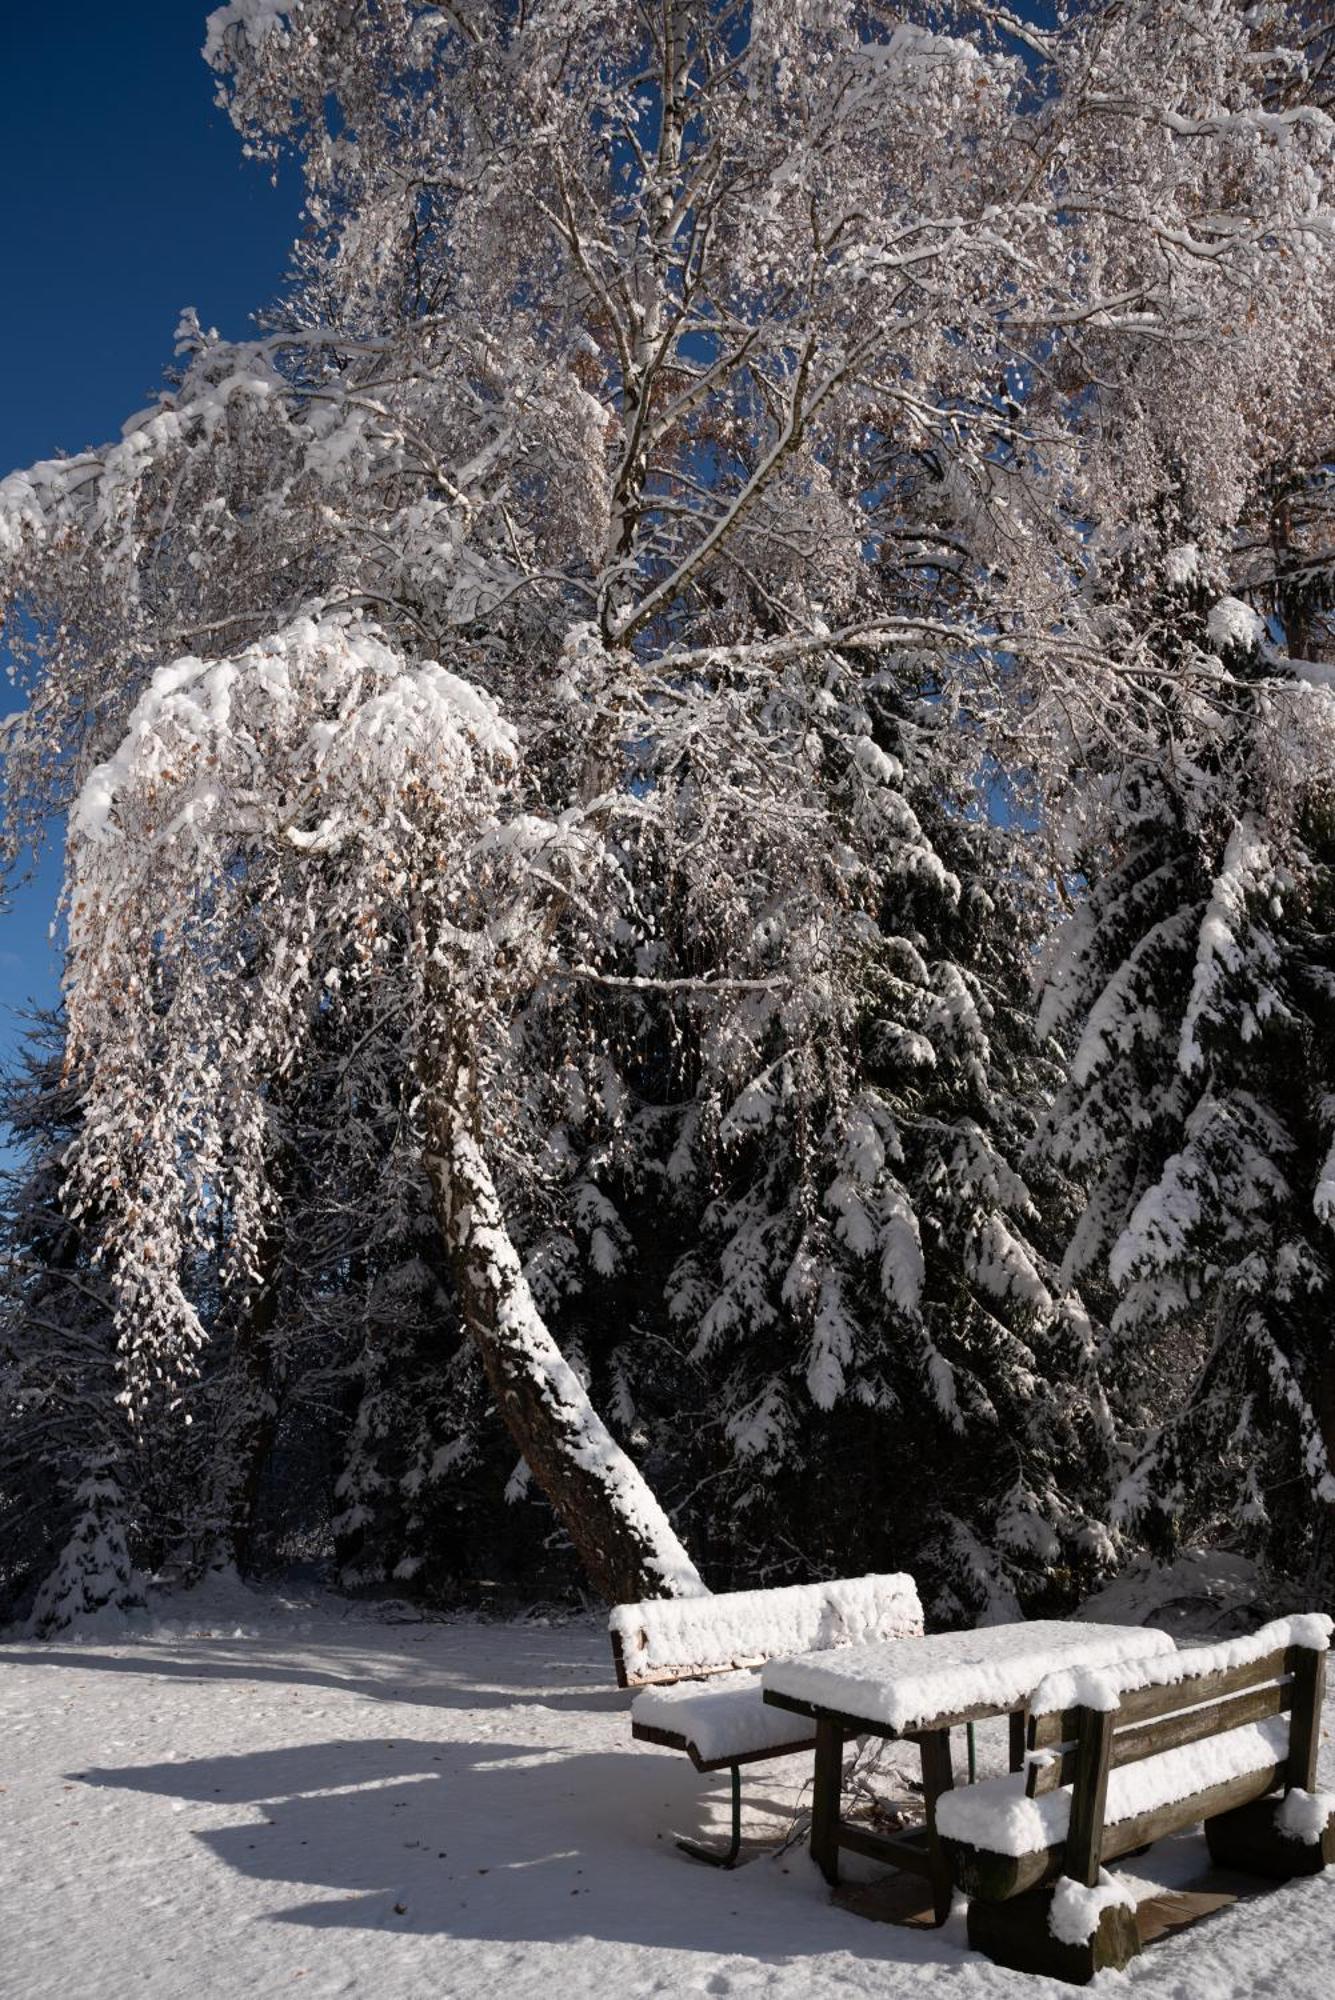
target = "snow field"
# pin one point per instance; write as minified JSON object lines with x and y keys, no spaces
{"x":327,"y":1805}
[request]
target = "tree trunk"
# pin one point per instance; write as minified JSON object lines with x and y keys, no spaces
{"x":248,"y":1424}
{"x":247,"y":1416}
{"x":621,"y":1534}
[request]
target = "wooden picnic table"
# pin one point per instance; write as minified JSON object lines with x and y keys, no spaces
{"x":918,"y":1690}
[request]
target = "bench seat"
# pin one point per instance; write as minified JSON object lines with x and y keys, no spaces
{"x":996,"y":1816}
{"x":719,"y":1722}
{"x":1223,"y":1735}
{"x":693,"y":1658}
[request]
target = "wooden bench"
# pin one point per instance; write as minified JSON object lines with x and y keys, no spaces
{"x":1117,"y":1759}
{"x":668,"y":1647}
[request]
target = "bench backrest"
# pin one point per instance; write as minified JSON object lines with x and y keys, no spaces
{"x":1089,"y":1724}
{"x":686,"y":1638}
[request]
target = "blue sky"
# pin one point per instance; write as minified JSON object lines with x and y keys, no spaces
{"x":126,"y":198}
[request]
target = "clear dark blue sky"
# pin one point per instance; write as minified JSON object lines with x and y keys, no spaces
{"x":126,"y":198}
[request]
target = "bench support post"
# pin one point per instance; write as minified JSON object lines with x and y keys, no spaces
{"x":1017,"y":1934}
{"x":728,"y":1858}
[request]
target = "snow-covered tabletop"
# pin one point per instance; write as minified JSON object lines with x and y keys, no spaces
{"x":903,"y":1685}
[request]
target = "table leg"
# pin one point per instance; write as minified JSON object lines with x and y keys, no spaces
{"x":938,"y":1775}
{"x":826,"y":1793}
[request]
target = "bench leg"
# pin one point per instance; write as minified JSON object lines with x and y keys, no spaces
{"x":827,"y":1786}
{"x":1247,"y":1838}
{"x":1016,"y":1933}
{"x":728,"y":1858}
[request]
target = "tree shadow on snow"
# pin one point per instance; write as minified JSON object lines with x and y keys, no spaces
{"x":505,"y":1841}
{"x":416,"y":1678}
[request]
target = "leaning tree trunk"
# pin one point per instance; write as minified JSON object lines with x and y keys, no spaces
{"x":621,"y":1534}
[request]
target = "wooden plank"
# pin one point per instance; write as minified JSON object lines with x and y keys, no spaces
{"x":1177,"y":1814}
{"x":684,"y":1670}
{"x":899,"y":1850}
{"x":667,"y":1739}
{"x":852,"y":1725}
{"x":1309,"y":1685}
{"x":1052,"y":1734}
{"x":1165,"y":1732}
{"x":794,"y":1749}
{"x":826,"y":1787}
{"x":893,"y":1897}
{"x":1089,"y":1795}
{"x":1194,"y":1725}
{"x":1140,"y":1704}
{"x":1055,"y":1726}
{"x":864,"y":1725}
{"x":981,"y":1871}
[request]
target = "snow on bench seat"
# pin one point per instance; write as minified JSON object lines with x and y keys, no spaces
{"x":676,"y":1638}
{"x":995,"y":1814}
{"x":722,"y":1721}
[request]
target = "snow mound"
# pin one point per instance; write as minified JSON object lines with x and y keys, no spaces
{"x":1208,"y":1593}
{"x":1074,"y":1914}
{"x":1304,"y":1815}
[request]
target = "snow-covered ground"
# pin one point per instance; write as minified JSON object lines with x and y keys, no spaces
{"x":257,"y":1800}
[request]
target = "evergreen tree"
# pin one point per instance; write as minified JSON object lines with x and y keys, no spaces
{"x":1196,"y":978}
{"x":66,"y":1459}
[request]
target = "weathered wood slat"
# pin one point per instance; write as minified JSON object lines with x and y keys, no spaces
{"x":1141,"y":1704}
{"x":1169,"y":1732}
{"x":1053,"y":1735}
{"x":904,"y":1850}
{"x":1194,"y":1725}
{"x":1145,"y":1828}
{"x":666,"y":1676}
{"x":861,"y":1725}
{"x":981,"y":1871}
{"x":1056,"y":1726}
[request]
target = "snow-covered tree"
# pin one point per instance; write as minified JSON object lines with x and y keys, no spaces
{"x":66,"y":1459}
{"x":1196,"y":976}
{"x":655,"y":384}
